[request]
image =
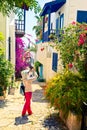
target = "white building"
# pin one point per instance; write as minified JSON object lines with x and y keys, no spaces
{"x":57,"y":14}
{"x":7,"y":27}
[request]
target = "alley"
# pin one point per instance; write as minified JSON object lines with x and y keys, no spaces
{"x":43,"y":117}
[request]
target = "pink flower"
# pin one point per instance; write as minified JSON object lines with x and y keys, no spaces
{"x":70,"y":65}
{"x":81,"y":42}
{"x":82,"y":39}
{"x":73,"y":23}
{"x":36,"y":40}
{"x":85,"y":28}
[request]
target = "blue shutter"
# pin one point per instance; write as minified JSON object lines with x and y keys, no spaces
{"x":57,"y":25}
{"x":61,"y":20}
{"x":82,"y":16}
{"x":55,"y":61}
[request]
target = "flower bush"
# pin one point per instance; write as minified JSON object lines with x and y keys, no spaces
{"x":73,"y":47}
{"x":6,"y":68}
{"x":67,"y":90}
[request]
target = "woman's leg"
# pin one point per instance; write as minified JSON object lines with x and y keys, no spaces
{"x":27,"y":105}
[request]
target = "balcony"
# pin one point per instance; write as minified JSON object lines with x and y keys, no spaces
{"x":19,"y":28}
{"x":49,"y":37}
{"x":45,"y":36}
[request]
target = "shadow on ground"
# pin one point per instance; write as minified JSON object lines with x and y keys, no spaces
{"x":38,"y":96}
{"x":3,"y":103}
{"x":54,"y":122}
{"x":6,"y":102}
{"x":21,"y":120}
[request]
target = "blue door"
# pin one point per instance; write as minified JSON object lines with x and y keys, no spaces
{"x":41,"y":71}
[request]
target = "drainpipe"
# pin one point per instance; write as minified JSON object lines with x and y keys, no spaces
{"x":24,"y":16}
{"x":43,"y":29}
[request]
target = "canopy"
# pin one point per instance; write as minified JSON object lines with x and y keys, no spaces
{"x":52,"y":6}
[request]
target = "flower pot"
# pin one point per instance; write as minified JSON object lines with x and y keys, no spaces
{"x":72,"y":121}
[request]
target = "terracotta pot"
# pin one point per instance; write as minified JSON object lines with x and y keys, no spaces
{"x":72,"y":121}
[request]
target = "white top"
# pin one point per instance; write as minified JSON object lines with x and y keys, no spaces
{"x":28,"y":77}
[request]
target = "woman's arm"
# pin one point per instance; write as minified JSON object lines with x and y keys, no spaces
{"x":32,"y":76}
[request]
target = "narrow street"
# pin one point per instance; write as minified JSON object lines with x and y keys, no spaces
{"x":43,"y":117}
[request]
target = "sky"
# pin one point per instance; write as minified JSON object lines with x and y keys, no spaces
{"x":31,"y":20}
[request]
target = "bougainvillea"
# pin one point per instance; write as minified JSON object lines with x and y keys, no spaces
{"x":21,"y":58}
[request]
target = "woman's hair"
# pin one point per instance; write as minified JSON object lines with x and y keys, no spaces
{"x":31,"y":67}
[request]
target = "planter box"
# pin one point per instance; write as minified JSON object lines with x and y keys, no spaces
{"x":4,"y":93}
{"x":12,"y":90}
{"x":2,"y":98}
{"x":73,"y":121}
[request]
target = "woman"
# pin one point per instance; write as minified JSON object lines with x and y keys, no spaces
{"x":28,"y":76}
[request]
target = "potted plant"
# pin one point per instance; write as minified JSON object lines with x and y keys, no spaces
{"x":6,"y":71}
{"x":67,"y":90}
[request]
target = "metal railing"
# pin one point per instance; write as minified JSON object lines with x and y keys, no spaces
{"x":53,"y":32}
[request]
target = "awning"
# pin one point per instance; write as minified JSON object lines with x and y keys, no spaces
{"x":52,"y":6}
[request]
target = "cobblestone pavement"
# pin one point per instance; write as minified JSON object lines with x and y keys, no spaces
{"x":43,"y":117}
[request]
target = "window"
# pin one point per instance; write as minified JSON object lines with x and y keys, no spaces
{"x":82,"y":16}
{"x":55,"y":61}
